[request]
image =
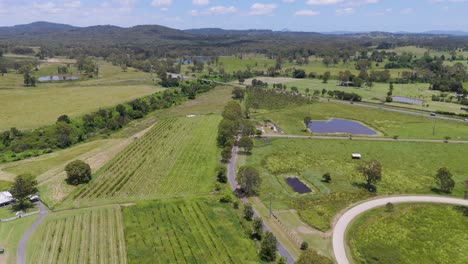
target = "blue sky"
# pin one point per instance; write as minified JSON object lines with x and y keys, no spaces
{"x":300,"y":15}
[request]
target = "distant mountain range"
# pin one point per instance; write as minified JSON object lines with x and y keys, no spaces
{"x":42,"y":27}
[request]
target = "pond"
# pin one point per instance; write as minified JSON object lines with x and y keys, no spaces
{"x":340,"y":126}
{"x":56,"y":78}
{"x":297,"y":185}
{"x":406,"y":100}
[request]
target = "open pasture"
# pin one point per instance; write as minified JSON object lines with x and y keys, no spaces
{"x":389,"y":124}
{"x":79,"y":236}
{"x":10,"y":235}
{"x":189,"y":231}
{"x":177,"y":157}
{"x":411,"y":233}
{"x":407,"y":168}
{"x":26,"y":108}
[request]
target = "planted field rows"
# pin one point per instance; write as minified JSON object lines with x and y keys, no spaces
{"x":177,"y":157}
{"x":84,"y":236}
{"x":185,"y":232}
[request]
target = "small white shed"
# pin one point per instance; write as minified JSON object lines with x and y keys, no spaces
{"x":356,"y":156}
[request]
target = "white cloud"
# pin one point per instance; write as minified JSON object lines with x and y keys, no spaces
{"x":201,"y":2}
{"x":161,"y":3}
{"x":323,"y":2}
{"x":262,"y":9}
{"x":47,"y":7}
{"x":72,"y":4}
{"x":407,"y":11}
{"x":306,"y":13}
{"x":288,"y":1}
{"x":452,"y":1}
{"x":215,"y":10}
{"x":345,"y":11}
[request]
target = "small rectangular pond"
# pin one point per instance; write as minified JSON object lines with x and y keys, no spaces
{"x":340,"y":126}
{"x":56,"y":78}
{"x":297,"y":185}
{"x":406,"y":100}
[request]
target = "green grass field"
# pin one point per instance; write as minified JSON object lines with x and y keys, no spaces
{"x":10,"y":235}
{"x":177,"y":157}
{"x":407,"y":168}
{"x":30,"y":107}
{"x":410,"y":234}
{"x":388,"y":123}
{"x":79,"y":236}
{"x":189,"y":231}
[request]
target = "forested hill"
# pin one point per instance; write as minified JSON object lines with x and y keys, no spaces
{"x":147,"y":41}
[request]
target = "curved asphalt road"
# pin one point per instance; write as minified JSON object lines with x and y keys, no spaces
{"x":339,"y":231}
{"x":21,"y":250}
{"x":232,"y":180}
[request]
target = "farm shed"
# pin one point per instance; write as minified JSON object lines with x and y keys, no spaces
{"x":356,"y":156}
{"x":6,"y":198}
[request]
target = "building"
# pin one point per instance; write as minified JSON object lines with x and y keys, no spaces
{"x":6,"y":198}
{"x":356,"y":156}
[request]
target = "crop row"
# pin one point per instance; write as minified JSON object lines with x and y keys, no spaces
{"x":87,"y":236}
{"x":176,"y":157}
{"x":183,"y":233}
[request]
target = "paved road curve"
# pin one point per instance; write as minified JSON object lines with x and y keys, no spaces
{"x":232,"y":180}
{"x":339,"y":231}
{"x":21,"y":250}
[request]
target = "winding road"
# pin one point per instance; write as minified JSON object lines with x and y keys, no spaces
{"x":21,"y":250}
{"x":339,"y":231}
{"x":231,"y":168}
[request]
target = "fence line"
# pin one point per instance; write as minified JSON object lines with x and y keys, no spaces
{"x":18,"y":216}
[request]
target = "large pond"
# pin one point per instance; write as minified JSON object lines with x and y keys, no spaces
{"x":340,"y":126}
{"x":56,"y":78}
{"x":297,"y":185}
{"x":406,"y":100}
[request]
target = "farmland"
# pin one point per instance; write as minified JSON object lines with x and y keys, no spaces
{"x":176,"y":157}
{"x":26,"y":108}
{"x":408,"y":167}
{"x":189,"y":231}
{"x":409,"y":234}
{"x":390,"y":124}
{"x":80,"y":236}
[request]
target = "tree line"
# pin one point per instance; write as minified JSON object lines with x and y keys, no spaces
{"x":17,"y":145}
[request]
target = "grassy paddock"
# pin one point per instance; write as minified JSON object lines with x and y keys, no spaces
{"x":388,"y":123}
{"x":79,"y":236}
{"x":407,"y":168}
{"x":416,"y":233}
{"x":10,"y":235}
{"x":189,"y":231}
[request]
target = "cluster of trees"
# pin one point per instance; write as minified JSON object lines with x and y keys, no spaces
{"x":16,"y":145}
{"x":344,"y":95}
{"x":261,"y":98}
{"x":231,"y":125}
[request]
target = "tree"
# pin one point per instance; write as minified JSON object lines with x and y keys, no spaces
{"x":248,"y":212}
{"x":324,"y":91}
{"x":221,"y":174}
{"x":307,"y":120}
{"x":281,"y":260}
{"x":246,"y":143}
{"x":238,"y":93}
{"x":226,"y":154}
{"x":444,"y":180}
{"x":389,"y":207}
{"x":23,"y":186}
{"x":63,"y":118}
{"x":326,"y":177}
{"x":372,"y":172}
{"x":466,"y":189}
{"x":299,"y":74}
{"x":249,"y":180}
{"x":257,"y":228}
{"x":304,"y":245}
{"x":268,"y":247}
{"x":78,"y":172}
{"x":326,"y":77}
{"x":311,"y":257}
